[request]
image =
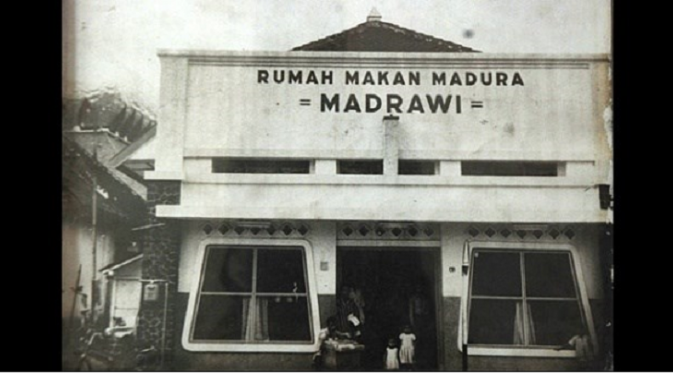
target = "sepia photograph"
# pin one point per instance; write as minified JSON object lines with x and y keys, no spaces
{"x":337,"y":185}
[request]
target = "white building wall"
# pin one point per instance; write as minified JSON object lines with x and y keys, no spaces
{"x":77,"y":248}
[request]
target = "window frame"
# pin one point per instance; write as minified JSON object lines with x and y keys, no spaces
{"x":251,"y":346}
{"x":515,"y":350}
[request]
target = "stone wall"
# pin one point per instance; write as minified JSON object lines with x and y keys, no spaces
{"x":161,"y":245}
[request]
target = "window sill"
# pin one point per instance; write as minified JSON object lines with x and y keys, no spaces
{"x":307,"y":347}
{"x":519,"y":352}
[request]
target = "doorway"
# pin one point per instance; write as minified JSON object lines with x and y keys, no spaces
{"x":400,"y":288}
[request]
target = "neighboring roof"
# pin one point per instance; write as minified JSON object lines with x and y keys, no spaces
{"x":78,"y":171}
{"x":377,"y":36}
{"x":134,"y":149}
{"x":106,"y":143}
{"x":123,"y":263}
{"x":106,"y":110}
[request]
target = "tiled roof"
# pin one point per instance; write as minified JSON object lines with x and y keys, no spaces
{"x":106,"y":110}
{"x":77,"y":172}
{"x":377,"y":36}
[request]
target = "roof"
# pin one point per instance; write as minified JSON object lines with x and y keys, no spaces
{"x":78,"y":171}
{"x":106,"y":110}
{"x":132,"y":149}
{"x":123,"y":263}
{"x":377,"y":36}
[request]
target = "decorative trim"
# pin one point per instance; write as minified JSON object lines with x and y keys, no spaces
{"x":316,"y":59}
{"x":388,"y":231}
{"x":518,"y":232}
{"x":235,"y":229}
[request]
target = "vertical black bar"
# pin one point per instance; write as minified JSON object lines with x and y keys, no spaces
{"x":465,"y":356}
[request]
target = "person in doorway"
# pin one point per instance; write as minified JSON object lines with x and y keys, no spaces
{"x":359,"y":300}
{"x":418,"y":307}
{"x":328,"y":333}
{"x":407,"y":348}
{"x":346,"y":309}
{"x":391,"y":358}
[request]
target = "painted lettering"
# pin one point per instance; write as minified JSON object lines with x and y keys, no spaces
{"x":352,"y":78}
{"x":294,"y":77}
{"x":383,"y":78}
{"x":352,"y":104}
{"x":500,"y":79}
{"x":329,"y":104}
{"x":438,"y":79}
{"x":369,"y":79}
{"x":416,"y":105}
{"x":486,"y":78}
{"x":326,"y":77}
{"x":311,"y":78}
{"x":439,"y":103}
{"x":262,"y":76}
{"x":369,"y":108}
{"x":399,"y":79}
{"x":470,"y":79}
{"x":455,"y":79}
{"x":394,"y":102}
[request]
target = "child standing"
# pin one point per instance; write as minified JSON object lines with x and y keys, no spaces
{"x":407,"y":349}
{"x":391,"y":361}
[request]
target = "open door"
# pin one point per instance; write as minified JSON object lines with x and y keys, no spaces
{"x":399,"y":287}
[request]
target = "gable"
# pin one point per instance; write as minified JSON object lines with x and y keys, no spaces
{"x":378,"y":36}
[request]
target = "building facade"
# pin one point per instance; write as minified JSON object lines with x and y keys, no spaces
{"x":462,"y":194}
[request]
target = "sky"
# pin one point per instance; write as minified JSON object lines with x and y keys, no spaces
{"x":112,"y":44}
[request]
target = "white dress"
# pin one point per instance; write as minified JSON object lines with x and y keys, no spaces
{"x":407,"y":348}
{"x":392,"y":363}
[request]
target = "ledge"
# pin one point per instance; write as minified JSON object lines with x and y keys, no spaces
{"x":390,"y":213}
{"x":362,"y":58}
{"x":392,"y":181}
{"x":162,"y":175}
{"x":520,"y":352}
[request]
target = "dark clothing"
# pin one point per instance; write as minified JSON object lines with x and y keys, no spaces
{"x":344,"y":308}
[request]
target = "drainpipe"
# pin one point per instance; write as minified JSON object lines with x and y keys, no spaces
{"x":94,"y":233}
{"x":465,"y":322}
{"x":391,"y":149}
{"x":164,"y":313}
{"x":163,"y":325}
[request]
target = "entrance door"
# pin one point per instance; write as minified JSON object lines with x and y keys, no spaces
{"x":399,"y":287}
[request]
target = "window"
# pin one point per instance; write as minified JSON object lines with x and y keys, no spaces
{"x":260,"y":166}
{"x":510,"y":168}
{"x":360,"y":167}
{"x":409,"y":167}
{"x":251,"y":295}
{"x":524,"y":299}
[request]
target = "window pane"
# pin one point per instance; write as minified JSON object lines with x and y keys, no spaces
{"x":496,"y":274}
{"x":288,"y":318}
{"x":228,"y":270}
{"x":555,"y":322}
{"x":549,"y":275}
{"x":220,"y":317}
{"x":492,"y":321}
{"x":280,"y":271}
